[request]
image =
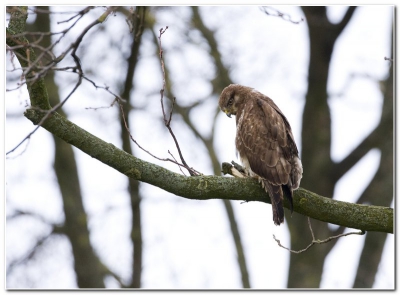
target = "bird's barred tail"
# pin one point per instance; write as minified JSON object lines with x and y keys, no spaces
{"x":276,"y":195}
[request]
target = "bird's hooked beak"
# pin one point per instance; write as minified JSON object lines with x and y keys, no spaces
{"x":227,"y":113}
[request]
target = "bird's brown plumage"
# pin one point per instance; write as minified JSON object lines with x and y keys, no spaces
{"x":265,"y":143}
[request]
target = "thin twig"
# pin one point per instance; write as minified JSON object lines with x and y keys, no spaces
{"x":32,"y":68}
{"x":31,"y":253}
{"x":167,"y":121}
{"x":80,"y":14}
{"x":282,"y":15}
{"x":23,"y":151}
{"x":142,"y":148}
{"x":170,"y":113}
{"x":45,"y":117}
{"x":162,"y":31}
{"x":40,"y":71}
{"x":106,"y":88}
{"x":314,"y":241}
{"x":389,"y":59}
{"x":105,"y":107}
{"x":309,"y":225}
{"x":350,"y":80}
{"x":180,"y":168}
{"x":36,"y":10}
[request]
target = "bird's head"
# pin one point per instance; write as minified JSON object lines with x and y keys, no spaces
{"x":231,"y":97}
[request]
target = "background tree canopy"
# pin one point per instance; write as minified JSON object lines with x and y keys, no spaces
{"x":72,"y":221}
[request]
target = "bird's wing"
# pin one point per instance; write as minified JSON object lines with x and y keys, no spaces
{"x":289,"y":133}
{"x":262,"y":138}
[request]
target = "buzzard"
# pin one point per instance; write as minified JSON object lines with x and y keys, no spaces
{"x":265,"y":144}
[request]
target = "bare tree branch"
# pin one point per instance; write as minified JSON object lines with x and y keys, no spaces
{"x":350,"y":80}
{"x":167,"y":122}
{"x":314,"y":241}
{"x":30,"y":254}
{"x":347,"y":17}
{"x":29,"y":61}
{"x":48,"y":113}
{"x":31,"y":66}
{"x":277,"y":13}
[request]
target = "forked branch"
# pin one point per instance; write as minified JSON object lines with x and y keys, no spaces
{"x":314,"y":241}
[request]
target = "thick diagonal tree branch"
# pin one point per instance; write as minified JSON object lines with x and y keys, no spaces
{"x":373,"y":140}
{"x":368,"y":143}
{"x":364,"y":217}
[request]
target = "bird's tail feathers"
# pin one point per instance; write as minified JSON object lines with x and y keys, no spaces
{"x":288,"y":192}
{"x":276,"y":195}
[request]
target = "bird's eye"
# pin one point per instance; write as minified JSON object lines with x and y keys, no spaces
{"x":230,"y":101}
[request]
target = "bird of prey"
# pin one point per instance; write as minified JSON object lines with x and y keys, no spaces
{"x":265,"y":144}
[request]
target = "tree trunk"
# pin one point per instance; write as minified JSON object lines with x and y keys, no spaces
{"x":306,"y":269}
{"x":133,"y":184}
{"x":87,"y":266}
{"x":380,"y":191}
